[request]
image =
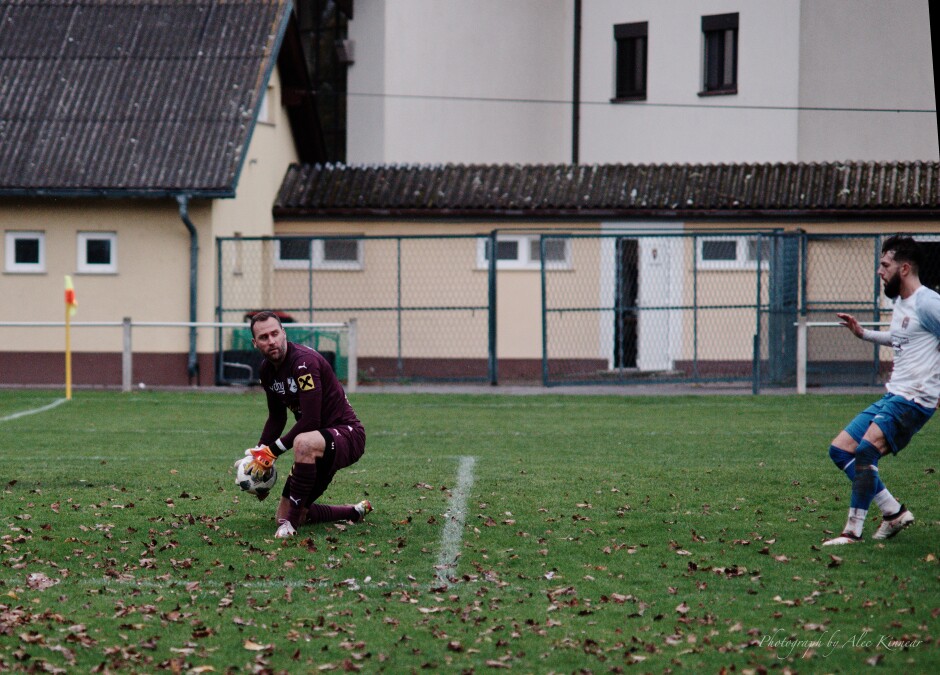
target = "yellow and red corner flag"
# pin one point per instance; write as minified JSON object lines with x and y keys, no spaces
{"x":70,"y":302}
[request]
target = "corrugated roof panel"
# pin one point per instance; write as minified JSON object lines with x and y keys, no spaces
{"x":131,"y":94}
{"x":672,"y":188}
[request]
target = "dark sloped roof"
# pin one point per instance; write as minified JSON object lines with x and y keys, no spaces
{"x":131,"y":96}
{"x":538,"y":191}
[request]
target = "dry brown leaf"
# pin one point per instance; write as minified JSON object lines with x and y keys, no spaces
{"x":253,"y":646}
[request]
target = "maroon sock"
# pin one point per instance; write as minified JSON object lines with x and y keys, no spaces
{"x":326,"y":513}
{"x":303,"y":478}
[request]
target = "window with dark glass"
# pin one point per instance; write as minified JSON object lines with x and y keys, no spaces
{"x":720,"y":33}
{"x":720,"y":250}
{"x":294,"y":249}
{"x":26,"y":252}
{"x":630,"y":39}
{"x":341,"y":250}
{"x":98,"y":251}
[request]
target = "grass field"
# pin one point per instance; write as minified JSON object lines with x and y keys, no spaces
{"x":600,"y":534}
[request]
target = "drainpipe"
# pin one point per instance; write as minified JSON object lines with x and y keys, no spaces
{"x":192,"y":367}
{"x":576,"y":86}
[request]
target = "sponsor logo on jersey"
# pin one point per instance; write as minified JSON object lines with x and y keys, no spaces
{"x":277,"y":387}
{"x":302,"y":365}
{"x":306,"y":382}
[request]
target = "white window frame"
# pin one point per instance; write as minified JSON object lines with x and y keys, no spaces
{"x":741,"y":261}
{"x":318,"y":255}
{"x":85,"y":267}
{"x":321,"y":263}
{"x":14,"y":267}
{"x":524,"y":260}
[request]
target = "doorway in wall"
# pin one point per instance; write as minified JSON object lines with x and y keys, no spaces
{"x":625,"y":303}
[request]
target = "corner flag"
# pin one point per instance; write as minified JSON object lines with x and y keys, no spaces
{"x":71,"y":303}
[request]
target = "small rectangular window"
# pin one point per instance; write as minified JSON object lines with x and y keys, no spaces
{"x":327,"y":254}
{"x":556,"y":250}
{"x":719,"y":250}
{"x":337,"y":254}
{"x":731,"y":252}
{"x":25,"y":252}
{"x":631,"y":45}
{"x":521,"y":252}
{"x":294,"y":249}
{"x":97,"y":252}
{"x":720,"y":60}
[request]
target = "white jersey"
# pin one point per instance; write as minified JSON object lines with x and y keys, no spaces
{"x":915,"y":338}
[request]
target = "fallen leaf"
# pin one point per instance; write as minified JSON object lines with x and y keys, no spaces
{"x":253,"y":646}
{"x":40,"y":582}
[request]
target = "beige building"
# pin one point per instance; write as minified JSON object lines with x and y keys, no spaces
{"x":181,"y":179}
{"x":121,"y":161}
{"x":664,"y":270}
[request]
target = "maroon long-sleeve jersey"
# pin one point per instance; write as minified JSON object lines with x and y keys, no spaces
{"x":306,"y":385}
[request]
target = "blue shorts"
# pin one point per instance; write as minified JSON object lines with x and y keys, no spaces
{"x":898,"y":419}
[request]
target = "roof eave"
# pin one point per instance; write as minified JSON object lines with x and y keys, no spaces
{"x":112,"y":193}
{"x":284,"y":213}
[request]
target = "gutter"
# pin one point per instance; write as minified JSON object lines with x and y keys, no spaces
{"x":192,"y":366}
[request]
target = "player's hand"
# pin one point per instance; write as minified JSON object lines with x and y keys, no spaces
{"x":851,"y":323}
{"x":262,"y":459}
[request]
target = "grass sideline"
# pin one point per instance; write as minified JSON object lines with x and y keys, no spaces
{"x":602,"y":534}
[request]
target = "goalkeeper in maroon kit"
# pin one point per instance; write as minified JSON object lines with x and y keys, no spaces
{"x":326,"y":436}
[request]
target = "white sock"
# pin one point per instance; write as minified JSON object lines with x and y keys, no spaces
{"x":887,"y":503}
{"x":856,"y":521}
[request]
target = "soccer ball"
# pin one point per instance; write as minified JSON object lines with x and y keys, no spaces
{"x":258,"y":487}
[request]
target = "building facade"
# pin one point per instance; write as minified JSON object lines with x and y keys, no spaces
{"x":646,"y":81}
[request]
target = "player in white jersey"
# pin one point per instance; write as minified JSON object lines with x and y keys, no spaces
{"x":913,"y":391}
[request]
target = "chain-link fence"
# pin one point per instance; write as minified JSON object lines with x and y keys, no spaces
{"x":637,"y":307}
{"x":841,"y":275}
{"x":601,"y":307}
{"x":421,"y":303}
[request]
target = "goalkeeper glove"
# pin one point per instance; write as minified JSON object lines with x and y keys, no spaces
{"x":262,"y":459}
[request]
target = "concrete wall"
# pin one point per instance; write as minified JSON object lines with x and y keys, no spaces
{"x":875,"y":57}
{"x":438,"y":81}
{"x":453,"y":81}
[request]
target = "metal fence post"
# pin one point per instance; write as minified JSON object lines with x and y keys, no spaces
{"x":491,"y":301}
{"x":801,"y":331}
{"x":352,"y":346}
{"x":127,"y":360}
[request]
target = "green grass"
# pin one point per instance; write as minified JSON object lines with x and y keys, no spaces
{"x":602,"y":534}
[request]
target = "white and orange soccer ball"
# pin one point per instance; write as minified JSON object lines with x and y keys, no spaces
{"x":260,"y":488}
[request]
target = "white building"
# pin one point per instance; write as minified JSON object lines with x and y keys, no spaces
{"x":495,"y":81}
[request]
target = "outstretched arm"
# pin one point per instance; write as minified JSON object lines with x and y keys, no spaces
{"x":877,"y":336}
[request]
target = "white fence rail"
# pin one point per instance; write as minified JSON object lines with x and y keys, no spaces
{"x":802,"y":330}
{"x":127,"y":325}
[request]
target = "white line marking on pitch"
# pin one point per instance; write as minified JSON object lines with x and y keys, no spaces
{"x":456,"y":515}
{"x":24,"y":413}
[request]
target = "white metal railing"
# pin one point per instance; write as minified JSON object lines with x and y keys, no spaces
{"x":802,"y":329}
{"x":127,"y":352}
